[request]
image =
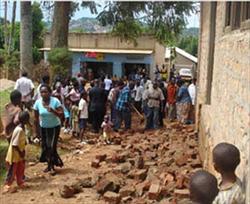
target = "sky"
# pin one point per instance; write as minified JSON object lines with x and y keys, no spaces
{"x":192,"y":21}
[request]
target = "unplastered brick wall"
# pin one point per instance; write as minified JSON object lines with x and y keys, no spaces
{"x":227,"y":118}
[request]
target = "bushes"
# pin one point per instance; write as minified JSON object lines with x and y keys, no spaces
{"x":60,"y":60}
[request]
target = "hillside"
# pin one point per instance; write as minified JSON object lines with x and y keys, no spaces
{"x":92,"y":25}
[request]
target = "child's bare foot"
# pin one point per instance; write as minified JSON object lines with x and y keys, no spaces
{"x":8,"y":189}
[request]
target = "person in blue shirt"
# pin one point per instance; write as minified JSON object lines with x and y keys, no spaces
{"x":48,"y":111}
{"x":184,"y":101}
{"x":123,"y":112}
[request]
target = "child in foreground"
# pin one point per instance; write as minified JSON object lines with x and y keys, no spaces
{"x":226,"y":158}
{"x":16,"y":153}
{"x":203,"y":187}
{"x":83,"y":116}
{"x":107,"y":127}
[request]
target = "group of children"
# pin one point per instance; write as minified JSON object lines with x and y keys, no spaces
{"x":204,"y":188}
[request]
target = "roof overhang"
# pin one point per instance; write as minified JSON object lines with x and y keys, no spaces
{"x":113,"y":51}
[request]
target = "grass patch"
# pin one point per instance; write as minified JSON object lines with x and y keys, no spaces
{"x":4,"y":98}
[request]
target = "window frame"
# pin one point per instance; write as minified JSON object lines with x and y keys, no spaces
{"x":243,"y":23}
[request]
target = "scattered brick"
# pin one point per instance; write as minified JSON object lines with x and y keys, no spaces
{"x":101,"y":157}
{"x":154,"y":192}
{"x":103,"y":185}
{"x":112,"y":198}
{"x":95,"y":163}
{"x":127,"y":191}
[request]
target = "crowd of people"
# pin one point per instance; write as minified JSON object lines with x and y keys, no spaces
{"x":40,"y":114}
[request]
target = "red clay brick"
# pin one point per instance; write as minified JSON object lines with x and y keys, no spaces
{"x":154,"y":192}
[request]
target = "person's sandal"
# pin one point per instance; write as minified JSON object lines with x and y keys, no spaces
{"x":46,"y":170}
{"x":53,"y":172}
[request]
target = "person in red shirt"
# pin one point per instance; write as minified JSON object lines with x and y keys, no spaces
{"x":171,"y":99}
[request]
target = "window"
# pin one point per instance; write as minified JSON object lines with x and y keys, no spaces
{"x":237,"y":15}
{"x":245,"y":11}
{"x":228,"y":13}
{"x":236,"y":11}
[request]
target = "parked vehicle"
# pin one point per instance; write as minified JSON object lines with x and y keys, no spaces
{"x":186,"y":74}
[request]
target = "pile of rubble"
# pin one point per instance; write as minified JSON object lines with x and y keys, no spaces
{"x":147,"y":168}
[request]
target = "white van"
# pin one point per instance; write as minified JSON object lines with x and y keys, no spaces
{"x":186,"y":73}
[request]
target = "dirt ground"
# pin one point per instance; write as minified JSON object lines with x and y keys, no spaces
{"x":6,"y":84}
{"x":169,"y":157}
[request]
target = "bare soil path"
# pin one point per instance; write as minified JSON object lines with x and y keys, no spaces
{"x":161,"y":159}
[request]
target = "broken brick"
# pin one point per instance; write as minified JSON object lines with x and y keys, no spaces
{"x":112,"y":198}
{"x":142,"y":187}
{"x":154,"y":191}
{"x":182,"y":160}
{"x":101,"y":157}
{"x":139,"y":162}
{"x":103,"y":185}
{"x":95,"y":163}
{"x":127,"y":191}
{"x":180,"y":181}
{"x":184,"y":193}
{"x":169,"y":178}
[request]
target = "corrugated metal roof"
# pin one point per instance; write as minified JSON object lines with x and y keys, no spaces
{"x":181,"y":52}
{"x":115,"y":51}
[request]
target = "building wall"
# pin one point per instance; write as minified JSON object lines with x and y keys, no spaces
{"x":107,"y":41}
{"x":116,"y":59}
{"x":227,"y":117}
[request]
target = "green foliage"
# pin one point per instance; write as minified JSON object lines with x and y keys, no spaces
{"x":37,"y":55}
{"x":128,"y":34}
{"x":60,"y":60}
{"x":37,"y":29}
{"x":189,"y":44}
{"x":165,"y":20}
{"x":37,"y":25}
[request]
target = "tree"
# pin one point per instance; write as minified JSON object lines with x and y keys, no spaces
{"x":165,"y":20}
{"x":26,"y":37}
{"x":60,"y":25}
{"x":189,"y":44}
{"x":37,"y":30}
{"x":10,"y":46}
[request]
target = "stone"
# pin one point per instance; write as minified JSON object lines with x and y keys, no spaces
{"x":180,"y":179}
{"x":116,"y":158}
{"x":103,"y":186}
{"x":168,"y":179}
{"x":139,"y":162}
{"x":127,"y":191}
{"x":127,"y":199}
{"x":95,"y":163}
{"x":86,"y":182}
{"x":142,"y":187}
{"x":196,"y":164}
{"x":140,"y":174}
{"x":112,"y":198}
{"x":101,"y":157}
{"x":181,"y":160}
{"x":148,"y":164}
{"x":167,"y":161}
{"x":126,"y":167}
{"x":66,"y":191}
{"x":154,"y":192}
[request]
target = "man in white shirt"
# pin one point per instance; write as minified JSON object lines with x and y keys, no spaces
{"x":108,"y":83}
{"x":26,"y":87}
{"x":138,"y":96}
{"x":192,"y":93}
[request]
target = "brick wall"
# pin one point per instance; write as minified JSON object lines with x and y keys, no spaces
{"x":227,"y":118}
